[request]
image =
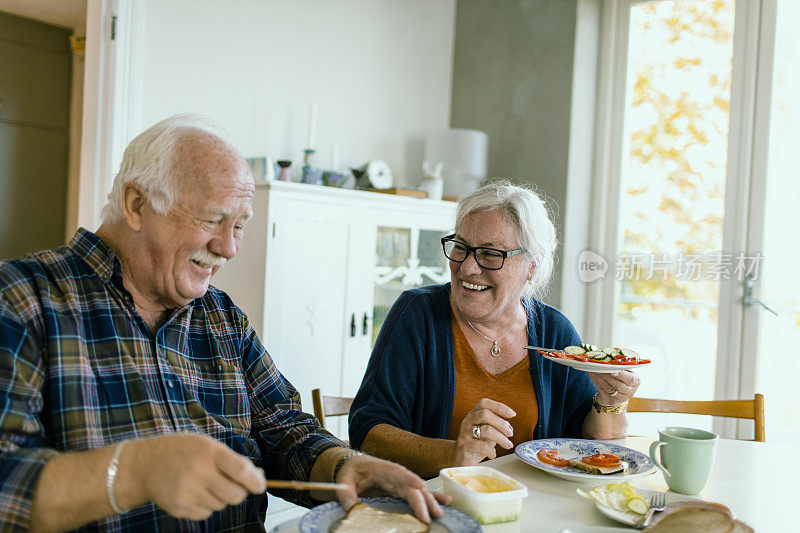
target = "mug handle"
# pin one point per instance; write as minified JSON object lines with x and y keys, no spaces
{"x":653,"y":447}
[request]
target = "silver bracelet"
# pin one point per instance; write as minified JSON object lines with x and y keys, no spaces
{"x":112,"y":476}
{"x":342,"y":460}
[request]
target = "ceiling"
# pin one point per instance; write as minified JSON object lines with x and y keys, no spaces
{"x":66,"y":13}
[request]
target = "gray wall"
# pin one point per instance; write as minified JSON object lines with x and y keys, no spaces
{"x":35,"y":61}
{"x":513,"y":71}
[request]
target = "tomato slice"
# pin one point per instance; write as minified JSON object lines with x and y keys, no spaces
{"x":602,"y":459}
{"x":551,"y":457}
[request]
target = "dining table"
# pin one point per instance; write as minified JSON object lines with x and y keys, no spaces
{"x":754,"y":479}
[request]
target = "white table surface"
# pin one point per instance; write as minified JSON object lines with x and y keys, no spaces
{"x":754,"y":479}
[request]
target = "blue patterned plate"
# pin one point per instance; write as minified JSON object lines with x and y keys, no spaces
{"x":322,"y":518}
{"x":639,"y":464}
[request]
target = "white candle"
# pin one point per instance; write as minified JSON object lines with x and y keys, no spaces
{"x":312,"y":126}
{"x":335,"y":157}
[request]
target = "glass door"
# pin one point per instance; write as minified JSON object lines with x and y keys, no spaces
{"x":701,"y":212}
{"x":405,"y":258}
{"x":670,"y":261}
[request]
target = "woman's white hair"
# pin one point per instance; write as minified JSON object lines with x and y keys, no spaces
{"x":527,"y":213}
{"x":149,"y":162}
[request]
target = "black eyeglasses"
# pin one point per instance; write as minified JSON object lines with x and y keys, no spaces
{"x":487,"y":258}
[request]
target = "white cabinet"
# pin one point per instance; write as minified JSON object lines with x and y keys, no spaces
{"x":317,"y":271}
{"x":320,"y":267}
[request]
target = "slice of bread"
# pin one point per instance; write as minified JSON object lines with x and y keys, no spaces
{"x":692,"y":521}
{"x":597,"y":470}
{"x":691,"y":517}
{"x":361,"y":518}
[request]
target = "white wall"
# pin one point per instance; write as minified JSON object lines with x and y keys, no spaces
{"x":378,"y":70}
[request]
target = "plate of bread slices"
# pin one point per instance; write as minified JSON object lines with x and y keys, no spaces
{"x":585,"y":461}
{"x":382,"y":514}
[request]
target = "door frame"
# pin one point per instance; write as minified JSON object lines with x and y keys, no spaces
{"x":754,"y":231}
{"x":753,"y":47}
{"x":112,"y":87}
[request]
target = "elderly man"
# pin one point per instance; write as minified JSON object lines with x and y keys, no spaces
{"x":135,"y":396}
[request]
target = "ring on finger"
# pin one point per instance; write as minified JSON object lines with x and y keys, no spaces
{"x":614,"y":392}
{"x":476,"y":431}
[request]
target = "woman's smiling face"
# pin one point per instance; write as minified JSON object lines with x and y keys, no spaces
{"x":488,"y":295}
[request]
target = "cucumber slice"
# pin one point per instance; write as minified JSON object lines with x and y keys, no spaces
{"x":574,"y":350}
{"x":628,"y":352}
{"x":608,"y":358}
{"x":637,"y":505}
{"x":596,"y":355}
{"x":609,"y":351}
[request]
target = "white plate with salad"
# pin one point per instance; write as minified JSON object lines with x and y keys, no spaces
{"x":623,"y":502}
{"x":592,"y":358}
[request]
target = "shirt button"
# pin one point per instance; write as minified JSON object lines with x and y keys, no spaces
{"x":169,"y":384}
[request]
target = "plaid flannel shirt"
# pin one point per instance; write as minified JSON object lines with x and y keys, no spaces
{"x":79,"y":369}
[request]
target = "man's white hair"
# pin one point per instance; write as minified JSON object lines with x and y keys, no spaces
{"x":527,"y":213}
{"x":149,"y":159}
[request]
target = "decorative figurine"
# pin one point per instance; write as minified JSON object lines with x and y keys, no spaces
{"x":432,"y":182}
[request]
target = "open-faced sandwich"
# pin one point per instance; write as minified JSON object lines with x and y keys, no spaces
{"x":599,"y":463}
{"x":361,"y":518}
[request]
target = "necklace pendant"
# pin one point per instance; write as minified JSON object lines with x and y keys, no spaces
{"x":495,"y":351}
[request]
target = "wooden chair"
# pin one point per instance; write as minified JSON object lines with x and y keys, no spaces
{"x":752,"y":409}
{"x":325,"y":406}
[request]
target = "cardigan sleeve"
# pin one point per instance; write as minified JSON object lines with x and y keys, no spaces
{"x":392,"y":380}
{"x":578,"y":388}
{"x":575,"y":388}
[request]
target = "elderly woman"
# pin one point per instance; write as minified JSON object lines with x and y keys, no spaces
{"x":449,"y":382}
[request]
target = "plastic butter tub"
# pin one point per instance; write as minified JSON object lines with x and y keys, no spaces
{"x":498,"y":499}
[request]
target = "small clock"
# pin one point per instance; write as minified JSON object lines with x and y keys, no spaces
{"x":374,"y":175}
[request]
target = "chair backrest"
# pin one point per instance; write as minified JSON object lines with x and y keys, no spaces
{"x":325,"y":406}
{"x":752,"y":409}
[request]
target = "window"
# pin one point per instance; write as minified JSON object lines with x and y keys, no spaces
{"x":693,"y":216}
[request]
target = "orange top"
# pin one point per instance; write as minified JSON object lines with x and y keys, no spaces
{"x":514,"y":387}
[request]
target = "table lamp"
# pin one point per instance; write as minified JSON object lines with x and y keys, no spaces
{"x":464,"y":155}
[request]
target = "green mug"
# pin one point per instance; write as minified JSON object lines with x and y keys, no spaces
{"x":687,"y":456}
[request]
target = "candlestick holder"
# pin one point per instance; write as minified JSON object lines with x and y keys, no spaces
{"x":310,"y":174}
{"x":284,"y":174}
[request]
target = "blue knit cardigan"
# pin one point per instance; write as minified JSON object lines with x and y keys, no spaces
{"x":409,"y":382}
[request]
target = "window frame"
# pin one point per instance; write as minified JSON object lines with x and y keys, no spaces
{"x":748,"y":143}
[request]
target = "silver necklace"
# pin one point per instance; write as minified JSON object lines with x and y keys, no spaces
{"x":494,"y":351}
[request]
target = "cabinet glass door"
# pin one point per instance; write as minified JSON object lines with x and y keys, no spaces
{"x":404,"y":258}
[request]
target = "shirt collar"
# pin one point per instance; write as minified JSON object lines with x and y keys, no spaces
{"x":100,"y":258}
